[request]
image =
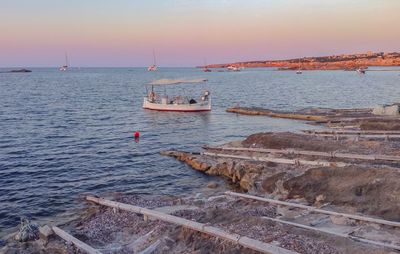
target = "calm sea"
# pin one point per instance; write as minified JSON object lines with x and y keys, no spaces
{"x":65,"y":134}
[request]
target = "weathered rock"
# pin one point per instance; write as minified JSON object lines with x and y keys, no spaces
{"x":319,"y":200}
{"x":353,"y":186}
{"x":339,"y":220}
{"x":212,"y":185}
{"x":45,"y":232}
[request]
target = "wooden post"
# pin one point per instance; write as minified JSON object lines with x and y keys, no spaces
{"x":200,"y":227}
{"x":69,"y":238}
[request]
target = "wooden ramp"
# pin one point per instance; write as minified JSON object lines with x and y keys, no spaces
{"x":79,"y":244}
{"x":317,"y":210}
{"x":355,"y":132}
{"x":200,"y":227}
{"x":356,"y":135}
{"x":290,"y":151}
{"x":296,"y":162}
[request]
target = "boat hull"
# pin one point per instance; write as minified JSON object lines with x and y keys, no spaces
{"x":197,"y":107}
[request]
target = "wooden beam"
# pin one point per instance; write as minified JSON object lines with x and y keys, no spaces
{"x":365,"y":132}
{"x":355,"y":238}
{"x":310,"y":153}
{"x":279,"y":160}
{"x":314,"y":209}
{"x":270,"y":113}
{"x":200,"y":227}
{"x":151,"y":248}
{"x":377,"y":136}
{"x":79,"y":244}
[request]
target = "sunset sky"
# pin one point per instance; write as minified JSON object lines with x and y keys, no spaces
{"x":186,"y":32}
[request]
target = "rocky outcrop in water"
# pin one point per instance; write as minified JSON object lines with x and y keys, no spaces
{"x":17,"y":71}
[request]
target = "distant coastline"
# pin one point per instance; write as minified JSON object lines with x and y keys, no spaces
{"x":334,"y":62}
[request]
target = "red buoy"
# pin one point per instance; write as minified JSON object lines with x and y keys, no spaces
{"x":137,"y":134}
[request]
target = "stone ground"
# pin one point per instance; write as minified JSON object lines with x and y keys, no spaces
{"x":126,"y":232}
{"x":364,"y":187}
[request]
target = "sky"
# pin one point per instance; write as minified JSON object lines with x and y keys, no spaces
{"x":124,"y":33}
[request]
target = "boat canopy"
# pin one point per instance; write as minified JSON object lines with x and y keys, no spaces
{"x":162,"y":82}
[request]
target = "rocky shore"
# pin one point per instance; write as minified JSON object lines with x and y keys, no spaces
{"x":337,"y":195}
{"x":355,"y":119}
{"x":366,"y":187}
{"x":335,"y":62}
{"x":111,"y":231}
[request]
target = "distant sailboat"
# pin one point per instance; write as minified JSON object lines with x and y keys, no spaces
{"x":66,"y":65}
{"x":153,"y":67}
{"x":205,"y":68}
{"x":299,"y":69}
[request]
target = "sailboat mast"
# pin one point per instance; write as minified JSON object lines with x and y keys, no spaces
{"x":154,"y":58}
{"x":66,"y":60}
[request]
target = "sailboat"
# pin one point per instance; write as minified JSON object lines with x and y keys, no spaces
{"x":299,"y":69}
{"x":205,"y":68}
{"x":66,"y":65}
{"x":153,"y":67}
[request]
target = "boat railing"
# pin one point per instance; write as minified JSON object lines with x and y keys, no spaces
{"x":178,"y":100}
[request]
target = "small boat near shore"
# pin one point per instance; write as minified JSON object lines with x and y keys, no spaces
{"x":361,"y":70}
{"x":233,"y":68}
{"x":155,"y":101}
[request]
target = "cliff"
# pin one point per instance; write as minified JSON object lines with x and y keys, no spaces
{"x":335,"y":62}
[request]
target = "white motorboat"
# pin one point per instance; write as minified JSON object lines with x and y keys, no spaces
{"x":233,"y":68}
{"x":156,"y":101}
{"x":361,"y":70}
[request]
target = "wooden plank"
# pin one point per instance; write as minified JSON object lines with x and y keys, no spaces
{"x":378,"y":136}
{"x":310,"y":153}
{"x":79,"y":244}
{"x":355,"y":238}
{"x":200,"y":227}
{"x":365,"y":132}
{"x":270,"y":113}
{"x":314,"y":209}
{"x":151,"y":248}
{"x":279,"y":160}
